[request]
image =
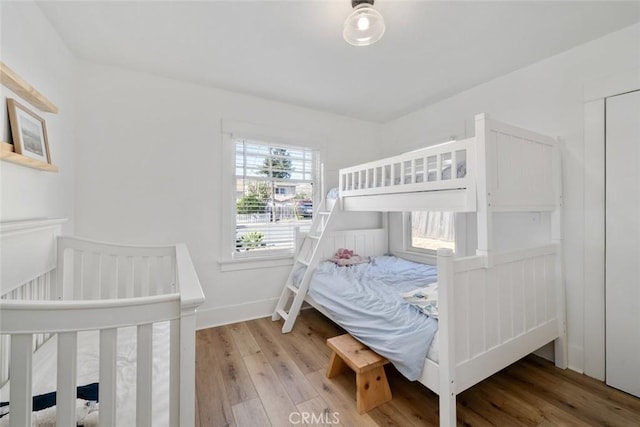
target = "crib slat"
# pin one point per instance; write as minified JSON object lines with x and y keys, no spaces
{"x":108,"y":356}
{"x":187,"y":368}
{"x":144,"y":377}
{"x":174,"y":374}
{"x":20,"y":368}
{"x":78,"y":260}
{"x":144,"y":280}
{"x":67,"y":373}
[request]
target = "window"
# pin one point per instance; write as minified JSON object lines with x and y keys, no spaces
{"x":429,"y":231}
{"x":273,"y":194}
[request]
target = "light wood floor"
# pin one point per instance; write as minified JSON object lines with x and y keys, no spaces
{"x":249,"y":374}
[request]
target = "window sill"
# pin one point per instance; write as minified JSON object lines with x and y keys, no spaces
{"x":416,"y":256}
{"x":239,"y":264}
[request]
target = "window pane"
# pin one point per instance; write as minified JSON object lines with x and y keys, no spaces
{"x":432,"y":230}
{"x":273,"y":195}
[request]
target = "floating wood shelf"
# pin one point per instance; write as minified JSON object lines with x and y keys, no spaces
{"x":17,"y":84}
{"x":7,"y":154}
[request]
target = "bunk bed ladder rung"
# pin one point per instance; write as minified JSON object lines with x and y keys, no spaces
{"x":283,"y":314}
{"x":314,"y":238}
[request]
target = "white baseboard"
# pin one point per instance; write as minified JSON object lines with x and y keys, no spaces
{"x":218,"y":316}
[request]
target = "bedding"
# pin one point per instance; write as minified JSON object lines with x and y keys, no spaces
{"x":424,"y":299}
{"x":88,"y":362}
{"x":366,"y":300}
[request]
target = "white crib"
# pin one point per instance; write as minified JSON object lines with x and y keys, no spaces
{"x":60,"y":286}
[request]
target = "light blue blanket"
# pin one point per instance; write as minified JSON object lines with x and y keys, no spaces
{"x":366,"y":300}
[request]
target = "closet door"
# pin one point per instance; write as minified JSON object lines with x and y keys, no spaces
{"x":623,"y":242}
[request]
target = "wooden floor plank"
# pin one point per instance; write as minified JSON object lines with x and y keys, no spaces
{"x":292,"y":378}
{"x":617,"y":397}
{"x":419,"y":404}
{"x":528,"y":401}
{"x":319,"y":413}
{"x":580,"y":402}
{"x":275,"y":399}
{"x":244,"y":340}
{"x":490,"y":406}
{"x":531,"y":392}
{"x":305,"y":357}
{"x":314,"y":331}
{"x":231,"y":367}
{"x":343,"y":402}
{"x":213,"y":405}
{"x":250,"y":414}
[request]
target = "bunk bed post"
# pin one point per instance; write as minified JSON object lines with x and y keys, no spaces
{"x":447,"y":385}
{"x":322,"y":186}
{"x":484,"y":210}
{"x":560,"y":344}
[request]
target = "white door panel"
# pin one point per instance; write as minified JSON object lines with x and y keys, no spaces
{"x":623,"y":242}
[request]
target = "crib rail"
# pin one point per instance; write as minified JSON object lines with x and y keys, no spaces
{"x":23,"y":319}
{"x":103,"y":287}
{"x":440,"y":167}
{"x":96,"y":270}
{"x":39,"y":288}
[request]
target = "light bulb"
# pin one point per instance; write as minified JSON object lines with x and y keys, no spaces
{"x":364,"y":26}
{"x":363,"y":23}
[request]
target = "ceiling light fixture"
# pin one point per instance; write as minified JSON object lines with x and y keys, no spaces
{"x":365,"y":25}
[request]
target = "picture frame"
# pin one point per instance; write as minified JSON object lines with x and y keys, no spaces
{"x":29,"y":132}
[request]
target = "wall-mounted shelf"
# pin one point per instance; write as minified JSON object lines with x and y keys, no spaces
{"x":7,"y":154}
{"x":17,"y":84}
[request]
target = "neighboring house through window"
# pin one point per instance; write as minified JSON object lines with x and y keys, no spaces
{"x":273,"y":186}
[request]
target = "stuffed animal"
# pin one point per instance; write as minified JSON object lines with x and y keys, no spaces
{"x":343,"y":253}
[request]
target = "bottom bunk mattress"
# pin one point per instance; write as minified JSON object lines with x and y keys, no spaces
{"x":367,"y":300}
{"x":88,"y":362}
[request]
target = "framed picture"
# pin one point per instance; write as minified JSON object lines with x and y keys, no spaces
{"x":29,"y":132}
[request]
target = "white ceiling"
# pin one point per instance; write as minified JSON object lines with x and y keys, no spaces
{"x":293,"y":51}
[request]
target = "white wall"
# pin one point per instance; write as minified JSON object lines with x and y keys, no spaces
{"x":149,"y":171}
{"x":37,"y":54}
{"x":148,"y":152}
{"x":546,"y":97}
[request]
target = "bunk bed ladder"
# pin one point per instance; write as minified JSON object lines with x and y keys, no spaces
{"x":307,"y":255}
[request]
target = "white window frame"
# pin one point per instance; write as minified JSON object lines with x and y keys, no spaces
{"x":230,"y":259}
{"x":459,"y":233}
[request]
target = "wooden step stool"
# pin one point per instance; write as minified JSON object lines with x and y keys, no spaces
{"x":372,"y":388}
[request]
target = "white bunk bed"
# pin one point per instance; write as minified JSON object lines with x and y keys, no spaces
{"x":494,"y":307}
{"x":131,"y":308}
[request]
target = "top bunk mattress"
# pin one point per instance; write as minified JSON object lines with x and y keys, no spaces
{"x":366,"y":300}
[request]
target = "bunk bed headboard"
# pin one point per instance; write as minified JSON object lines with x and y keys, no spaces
{"x":364,"y":242}
{"x":516,"y":167}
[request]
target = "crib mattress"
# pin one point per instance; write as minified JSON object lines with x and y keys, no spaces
{"x":88,"y":362}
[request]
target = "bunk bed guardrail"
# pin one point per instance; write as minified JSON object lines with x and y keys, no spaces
{"x":427,"y":169}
